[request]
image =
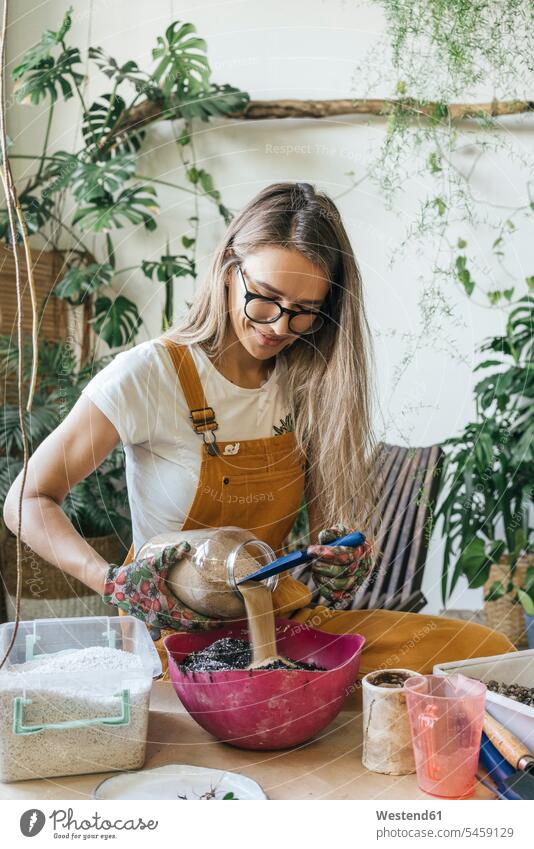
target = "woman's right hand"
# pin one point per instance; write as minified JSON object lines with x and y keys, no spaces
{"x":140,"y":588}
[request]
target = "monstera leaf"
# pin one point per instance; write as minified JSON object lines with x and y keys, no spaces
{"x":37,"y":212}
{"x":218,"y":101}
{"x":93,"y":179}
{"x":183,"y":65}
{"x":116,"y":321}
{"x":132,"y":206}
{"x":100,"y":120}
{"x":169,"y":266}
{"x":80,"y":282}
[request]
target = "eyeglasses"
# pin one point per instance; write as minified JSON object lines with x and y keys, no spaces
{"x":264,"y":310}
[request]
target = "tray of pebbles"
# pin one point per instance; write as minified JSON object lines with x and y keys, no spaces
{"x":510,"y":682}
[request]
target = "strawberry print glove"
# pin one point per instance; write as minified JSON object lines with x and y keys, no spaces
{"x":339,"y":570}
{"x":140,"y":588}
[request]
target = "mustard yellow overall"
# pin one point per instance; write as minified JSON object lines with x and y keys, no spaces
{"x":259,"y":486}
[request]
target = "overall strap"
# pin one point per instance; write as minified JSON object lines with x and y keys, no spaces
{"x":202,"y":416}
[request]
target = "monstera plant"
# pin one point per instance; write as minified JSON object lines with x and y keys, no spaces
{"x":101,"y":177}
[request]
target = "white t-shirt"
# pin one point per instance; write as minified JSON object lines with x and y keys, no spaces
{"x":140,"y":393}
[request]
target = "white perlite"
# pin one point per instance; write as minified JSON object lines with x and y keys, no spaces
{"x":59,"y":693}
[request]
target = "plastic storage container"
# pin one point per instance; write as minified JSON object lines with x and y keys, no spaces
{"x":205,"y":578}
{"x":74,"y":696}
{"x":513,"y":668}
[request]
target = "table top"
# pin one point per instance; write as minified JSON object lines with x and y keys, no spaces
{"x":329,"y":767}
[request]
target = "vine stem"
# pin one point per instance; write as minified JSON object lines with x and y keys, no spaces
{"x":45,"y":145}
{"x":166,"y":183}
{"x":13,"y":206}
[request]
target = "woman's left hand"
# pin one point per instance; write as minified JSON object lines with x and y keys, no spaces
{"x":339,"y":570}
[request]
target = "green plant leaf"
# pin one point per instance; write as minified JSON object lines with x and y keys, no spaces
{"x":168,"y":267}
{"x":495,"y":591}
{"x":119,"y":73}
{"x":60,"y":170}
{"x":37,"y":213}
{"x":526,"y":601}
{"x":440,"y":205}
{"x":218,"y":101}
{"x":183,"y":65}
{"x":48,"y":78}
{"x":100,"y":130}
{"x":116,"y":322}
{"x":496,"y":550}
{"x":134,"y":205}
{"x":463,"y":274}
{"x":33,"y":57}
{"x":95,"y":179}
{"x":80,"y":282}
{"x":474,"y":563}
{"x":528,"y":585}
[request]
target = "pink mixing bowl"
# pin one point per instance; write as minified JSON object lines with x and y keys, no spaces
{"x":268,"y":709}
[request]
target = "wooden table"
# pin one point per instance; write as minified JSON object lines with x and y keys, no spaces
{"x":327,"y":768}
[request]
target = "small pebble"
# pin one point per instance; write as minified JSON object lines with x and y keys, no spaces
{"x":517,"y":692}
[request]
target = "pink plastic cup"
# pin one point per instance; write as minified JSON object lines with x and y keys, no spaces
{"x":446,"y":716}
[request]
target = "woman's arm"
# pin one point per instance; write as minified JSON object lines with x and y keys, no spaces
{"x":67,"y":456}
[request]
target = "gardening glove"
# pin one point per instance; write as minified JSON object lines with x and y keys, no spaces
{"x":339,"y":570}
{"x":140,"y":588}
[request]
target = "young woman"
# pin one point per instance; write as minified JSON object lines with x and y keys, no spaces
{"x":260,"y":397}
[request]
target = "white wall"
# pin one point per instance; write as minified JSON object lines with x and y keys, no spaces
{"x":303,"y":49}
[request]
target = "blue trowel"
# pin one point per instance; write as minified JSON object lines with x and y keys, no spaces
{"x":297,"y":558}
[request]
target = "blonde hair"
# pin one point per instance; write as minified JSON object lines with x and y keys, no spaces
{"x":328,"y":371}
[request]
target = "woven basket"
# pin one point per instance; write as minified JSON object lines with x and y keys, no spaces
{"x":503,"y":614}
{"x":47,"y":591}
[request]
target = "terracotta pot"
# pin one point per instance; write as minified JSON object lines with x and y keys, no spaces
{"x":503,"y":614}
{"x":48,"y":592}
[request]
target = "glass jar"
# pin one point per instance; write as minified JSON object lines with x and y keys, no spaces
{"x":206,"y":578}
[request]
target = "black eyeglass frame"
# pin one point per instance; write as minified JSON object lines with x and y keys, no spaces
{"x":250,"y":296}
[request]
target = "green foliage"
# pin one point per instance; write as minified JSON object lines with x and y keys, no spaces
{"x":464,"y":275}
{"x":42,"y":75}
{"x":97,"y":505}
{"x":217,"y":102}
{"x":488,"y":477}
{"x":433,"y":57}
{"x":169,"y":266}
{"x":37,"y":213}
{"x":105,"y":212}
{"x":92,"y":180}
{"x":101,"y":176}
{"x":116,"y":322}
{"x":99,"y":121}
{"x":80,"y":282}
{"x":526,"y":593}
{"x":183,"y":67}
{"x":457,"y":44}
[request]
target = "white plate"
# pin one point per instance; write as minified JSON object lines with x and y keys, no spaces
{"x":178,"y":780}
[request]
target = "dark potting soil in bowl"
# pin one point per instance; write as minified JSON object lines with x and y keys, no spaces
{"x":230,"y":654}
